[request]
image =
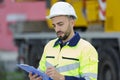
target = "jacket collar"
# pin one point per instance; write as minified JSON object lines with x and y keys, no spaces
{"x":72,"y":42}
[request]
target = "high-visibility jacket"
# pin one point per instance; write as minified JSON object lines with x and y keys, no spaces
{"x":76,"y":58}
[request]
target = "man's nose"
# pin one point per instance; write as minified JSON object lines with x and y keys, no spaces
{"x":57,"y":28}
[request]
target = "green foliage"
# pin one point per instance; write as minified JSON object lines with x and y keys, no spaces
{"x":12,"y":76}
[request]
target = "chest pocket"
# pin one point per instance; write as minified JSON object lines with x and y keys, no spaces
{"x":50,"y":60}
{"x":71,"y":59}
{"x":50,"y":57}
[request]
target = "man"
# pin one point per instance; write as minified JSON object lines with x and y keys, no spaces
{"x":67,"y":57}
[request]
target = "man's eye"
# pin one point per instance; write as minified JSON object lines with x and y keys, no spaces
{"x":53,"y":26}
{"x":60,"y":24}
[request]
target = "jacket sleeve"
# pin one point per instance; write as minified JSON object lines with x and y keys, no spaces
{"x":89,"y":63}
{"x":42,"y":65}
{"x":73,"y":78}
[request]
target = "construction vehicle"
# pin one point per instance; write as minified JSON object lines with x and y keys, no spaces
{"x":24,"y":23}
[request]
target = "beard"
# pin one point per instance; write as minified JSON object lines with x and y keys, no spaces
{"x":65,"y":35}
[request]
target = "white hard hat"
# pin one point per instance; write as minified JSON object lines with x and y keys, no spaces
{"x":62,"y":8}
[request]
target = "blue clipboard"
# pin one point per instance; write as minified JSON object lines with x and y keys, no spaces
{"x":32,"y":69}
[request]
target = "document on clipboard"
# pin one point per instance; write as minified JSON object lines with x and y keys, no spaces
{"x":32,"y":69}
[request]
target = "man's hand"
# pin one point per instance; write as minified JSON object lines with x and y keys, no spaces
{"x":51,"y":72}
{"x":34,"y":77}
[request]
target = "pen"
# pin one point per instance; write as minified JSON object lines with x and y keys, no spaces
{"x":56,"y":65}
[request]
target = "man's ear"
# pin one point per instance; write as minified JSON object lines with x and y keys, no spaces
{"x":72,"y":22}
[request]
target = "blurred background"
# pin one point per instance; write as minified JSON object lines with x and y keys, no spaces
{"x":24,"y":31}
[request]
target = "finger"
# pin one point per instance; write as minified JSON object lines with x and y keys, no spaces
{"x":33,"y":77}
{"x":49,"y":69}
{"x":30,"y":74}
{"x":39,"y":78}
{"x":49,"y":73}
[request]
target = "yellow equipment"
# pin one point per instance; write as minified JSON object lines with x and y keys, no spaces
{"x":112,"y":23}
{"x":88,"y":13}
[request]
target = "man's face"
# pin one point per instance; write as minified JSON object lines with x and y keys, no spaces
{"x":62,"y":26}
